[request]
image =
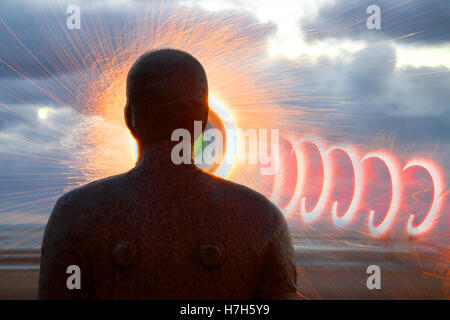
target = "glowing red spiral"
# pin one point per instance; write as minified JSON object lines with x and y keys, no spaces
{"x":394,"y":172}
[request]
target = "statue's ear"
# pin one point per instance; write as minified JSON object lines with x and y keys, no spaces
{"x":129,"y":118}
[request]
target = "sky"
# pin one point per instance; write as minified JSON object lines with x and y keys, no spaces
{"x":383,"y":87}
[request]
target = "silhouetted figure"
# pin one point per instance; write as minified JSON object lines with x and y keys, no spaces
{"x":166,"y":231}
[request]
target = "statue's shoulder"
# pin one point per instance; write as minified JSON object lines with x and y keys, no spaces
{"x":81,"y":204}
{"x":248,"y":205}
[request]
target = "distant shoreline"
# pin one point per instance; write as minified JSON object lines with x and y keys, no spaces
{"x":314,"y":282}
{"x":328,"y":268}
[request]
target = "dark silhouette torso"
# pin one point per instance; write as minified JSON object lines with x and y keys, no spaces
{"x":162,"y":231}
{"x":167,"y":233}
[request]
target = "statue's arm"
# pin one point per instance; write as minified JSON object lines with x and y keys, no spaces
{"x":278,"y":278}
{"x":59,"y":251}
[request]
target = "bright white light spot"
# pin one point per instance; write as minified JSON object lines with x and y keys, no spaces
{"x":422,"y":56}
{"x":219,"y":108}
{"x":210,"y":5}
{"x":135,"y":148}
{"x":288,"y":16}
{"x":289,"y":39}
{"x":42,"y":113}
{"x":232,"y":139}
{"x":292,"y":48}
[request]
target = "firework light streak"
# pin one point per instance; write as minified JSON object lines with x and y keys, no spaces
{"x":105,"y":147}
{"x":347,"y":216}
{"x":92,"y":99}
{"x":395,"y":188}
{"x":438,"y":195}
{"x":232,"y":83}
{"x":244,"y":95}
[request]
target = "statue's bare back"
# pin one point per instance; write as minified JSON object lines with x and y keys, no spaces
{"x":166,"y":231}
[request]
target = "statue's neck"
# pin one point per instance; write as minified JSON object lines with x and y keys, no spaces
{"x":158,"y":154}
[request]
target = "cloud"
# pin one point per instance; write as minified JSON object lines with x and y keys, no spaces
{"x":414,"y":92}
{"x":37,"y":43}
{"x":353,"y":80}
{"x":366,"y":94}
{"x":429,"y":21}
{"x":337,"y":28}
{"x":287,"y":16}
{"x":35,"y":157}
{"x":422,"y":55}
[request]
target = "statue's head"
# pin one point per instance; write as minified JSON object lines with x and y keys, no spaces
{"x":166,"y":90}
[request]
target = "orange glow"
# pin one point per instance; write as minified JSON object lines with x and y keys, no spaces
{"x":107,"y":146}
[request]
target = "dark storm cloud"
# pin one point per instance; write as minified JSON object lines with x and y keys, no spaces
{"x":42,"y":57}
{"x":417,"y":129}
{"x":33,"y":159}
{"x":51,"y":91}
{"x":347,"y":19}
{"x":411,"y":103}
{"x":32,"y":23}
{"x":41,"y":27}
{"x":16,"y":91}
{"x":38,"y":39}
{"x":371,"y":76}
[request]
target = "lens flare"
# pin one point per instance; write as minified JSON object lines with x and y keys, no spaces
{"x":230,"y":137}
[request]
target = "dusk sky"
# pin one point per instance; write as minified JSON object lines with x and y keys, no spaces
{"x":386,"y":88}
